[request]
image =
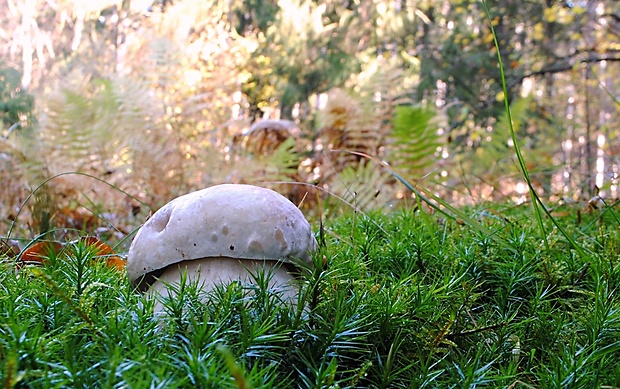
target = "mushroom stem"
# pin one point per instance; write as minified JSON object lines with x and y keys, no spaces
{"x":209,"y":272}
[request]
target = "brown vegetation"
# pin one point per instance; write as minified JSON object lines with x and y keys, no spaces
{"x":150,"y":102}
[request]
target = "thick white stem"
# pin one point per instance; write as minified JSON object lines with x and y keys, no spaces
{"x":209,"y":272}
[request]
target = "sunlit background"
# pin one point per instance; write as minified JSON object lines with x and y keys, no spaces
{"x":159,"y":98}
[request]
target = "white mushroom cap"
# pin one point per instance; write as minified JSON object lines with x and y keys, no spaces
{"x":229,"y":220}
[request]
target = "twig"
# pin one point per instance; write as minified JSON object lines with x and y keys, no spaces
{"x":477,"y":330}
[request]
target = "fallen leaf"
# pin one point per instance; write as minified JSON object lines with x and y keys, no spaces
{"x":40,"y":252}
{"x":104,"y":251}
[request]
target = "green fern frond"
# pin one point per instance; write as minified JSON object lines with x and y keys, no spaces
{"x":415,"y":139}
{"x":520,"y":109}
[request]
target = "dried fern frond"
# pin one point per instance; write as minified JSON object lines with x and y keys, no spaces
{"x":100,"y":127}
{"x":339,"y":110}
{"x":283,"y":163}
{"x":365,"y":186}
{"x":346,"y":126}
{"x":26,"y":168}
{"x":387,"y":88}
{"x":87,"y":124}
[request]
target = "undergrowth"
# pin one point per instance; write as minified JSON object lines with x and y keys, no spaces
{"x":403,"y":300}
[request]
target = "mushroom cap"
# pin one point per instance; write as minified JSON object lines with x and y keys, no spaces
{"x":228,"y":220}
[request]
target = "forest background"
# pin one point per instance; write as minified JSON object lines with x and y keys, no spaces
{"x":149,"y":100}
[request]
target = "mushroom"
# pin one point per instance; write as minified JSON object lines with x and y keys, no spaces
{"x":221,"y":234}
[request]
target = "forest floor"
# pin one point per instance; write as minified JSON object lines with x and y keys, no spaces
{"x":409,"y":299}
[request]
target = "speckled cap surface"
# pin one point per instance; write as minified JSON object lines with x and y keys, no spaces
{"x":229,"y":220}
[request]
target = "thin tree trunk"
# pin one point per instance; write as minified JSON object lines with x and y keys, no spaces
{"x":589,"y":182}
{"x":28,"y":11}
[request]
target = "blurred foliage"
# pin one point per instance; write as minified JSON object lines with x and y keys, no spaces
{"x":16,"y":104}
{"x":158,"y":98}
